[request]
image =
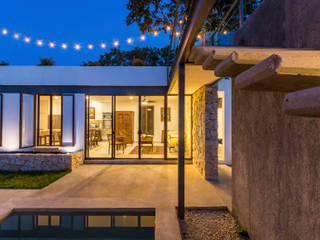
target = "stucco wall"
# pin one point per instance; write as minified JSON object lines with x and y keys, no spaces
{"x":276,"y":167}
{"x":205,"y":135}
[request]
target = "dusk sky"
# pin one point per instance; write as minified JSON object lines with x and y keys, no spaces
{"x":66,"y":21}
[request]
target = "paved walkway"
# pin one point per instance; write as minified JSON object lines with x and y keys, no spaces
{"x":127,"y":186}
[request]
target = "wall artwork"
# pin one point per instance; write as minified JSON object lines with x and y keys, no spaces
{"x":92,"y":113}
{"x":168,"y":114}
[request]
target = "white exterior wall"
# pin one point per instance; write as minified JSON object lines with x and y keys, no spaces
{"x":83,"y":76}
{"x":225,"y":85}
{"x":11,"y":121}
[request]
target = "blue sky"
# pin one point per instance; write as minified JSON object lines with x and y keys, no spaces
{"x":69,"y":21}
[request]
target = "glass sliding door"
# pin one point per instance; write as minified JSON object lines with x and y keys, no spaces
{"x":56,"y":121}
{"x":50,"y":120}
{"x":100,"y":127}
{"x":173,"y":126}
{"x":152,"y":127}
{"x":44,"y":120}
{"x":127,"y":127}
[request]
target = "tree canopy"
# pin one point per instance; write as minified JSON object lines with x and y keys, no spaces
{"x":138,"y":56}
{"x":3,"y":63}
{"x":46,"y":62}
{"x":157,"y":15}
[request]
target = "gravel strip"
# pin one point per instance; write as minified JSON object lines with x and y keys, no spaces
{"x":209,"y":225}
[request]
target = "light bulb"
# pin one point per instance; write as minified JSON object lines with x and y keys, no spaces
{"x":27,"y":39}
{"x":116,"y":43}
{"x":142,"y":37}
{"x":168,"y":28}
{"x":40,"y":43}
{"x":225,"y":32}
{"x":16,"y":36}
{"x":198,"y":36}
{"x":4,"y":31}
{"x":129,"y":40}
{"x":77,"y":47}
{"x":180,"y":21}
{"x":177,"y":33}
{"x":90,"y":46}
{"x":64,"y":46}
{"x":51,"y":44}
{"x":155,"y":33}
{"x":103,"y":45}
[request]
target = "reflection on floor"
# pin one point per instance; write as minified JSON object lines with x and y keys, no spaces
{"x":103,"y":150}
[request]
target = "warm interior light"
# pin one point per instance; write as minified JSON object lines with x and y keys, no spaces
{"x":77,"y":46}
{"x":129,"y":40}
{"x":27,"y":39}
{"x":16,"y":36}
{"x":64,"y":46}
{"x":103,"y":45}
{"x":142,"y":37}
{"x":39,"y":42}
{"x":90,"y":46}
{"x":4,"y":31}
{"x":131,"y":97}
{"x":51,"y":44}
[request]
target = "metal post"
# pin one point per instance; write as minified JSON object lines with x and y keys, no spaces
{"x":181,"y":173}
{"x":241,"y":13}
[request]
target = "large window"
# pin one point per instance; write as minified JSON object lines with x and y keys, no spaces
{"x":125,"y":127}
{"x":56,"y":120}
{"x":27,"y":120}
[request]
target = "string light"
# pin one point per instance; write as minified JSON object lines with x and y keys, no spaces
{"x":177,"y":33}
{"x":103,"y":45}
{"x":129,"y":40}
{"x":224,"y":32}
{"x":142,"y":37}
{"x":39,"y":43}
{"x":77,"y":46}
{"x":180,"y":21}
{"x":27,"y":39}
{"x":116,"y":43}
{"x":199,"y":36}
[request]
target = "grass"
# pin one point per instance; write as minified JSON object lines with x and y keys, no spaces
{"x":29,"y":180}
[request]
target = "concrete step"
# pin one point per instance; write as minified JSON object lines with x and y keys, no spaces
{"x":134,"y":161}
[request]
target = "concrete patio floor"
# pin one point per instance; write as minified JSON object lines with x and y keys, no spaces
{"x":126,"y":186}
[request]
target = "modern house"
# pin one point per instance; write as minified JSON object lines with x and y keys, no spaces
{"x":56,"y":117}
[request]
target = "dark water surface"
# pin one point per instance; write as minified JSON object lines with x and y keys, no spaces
{"x":79,"y":224}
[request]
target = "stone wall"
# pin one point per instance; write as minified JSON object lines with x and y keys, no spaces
{"x":40,"y":161}
{"x":276,"y":167}
{"x":205,"y":135}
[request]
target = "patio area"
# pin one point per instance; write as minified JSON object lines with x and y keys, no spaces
{"x":126,"y":186}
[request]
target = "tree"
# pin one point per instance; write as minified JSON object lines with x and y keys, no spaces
{"x":46,"y":62}
{"x":138,"y":56}
{"x":3,"y":63}
{"x":157,"y":15}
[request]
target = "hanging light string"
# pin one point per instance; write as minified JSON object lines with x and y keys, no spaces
{"x":75,"y":45}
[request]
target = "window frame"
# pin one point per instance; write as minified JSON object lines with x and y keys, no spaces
{"x":50,"y":130}
{"x":21,"y":119}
